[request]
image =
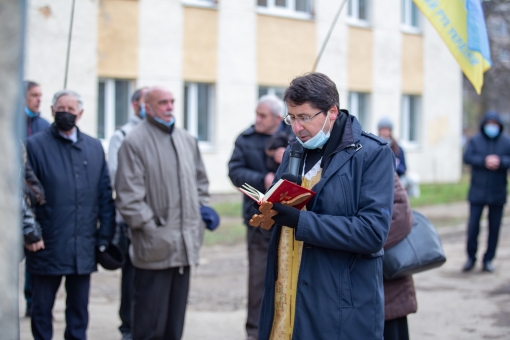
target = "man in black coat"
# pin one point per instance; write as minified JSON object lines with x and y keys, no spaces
{"x":77,"y":219}
{"x":488,"y":153}
{"x":248,"y":164}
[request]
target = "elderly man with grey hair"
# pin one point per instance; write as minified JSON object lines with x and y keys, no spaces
{"x":248,"y":164}
{"x":77,"y":219}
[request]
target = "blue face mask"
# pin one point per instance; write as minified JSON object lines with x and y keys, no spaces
{"x":168,"y":124}
{"x":319,"y":139}
{"x":142,"y":112}
{"x":30,"y":113}
{"x":491,"y":130}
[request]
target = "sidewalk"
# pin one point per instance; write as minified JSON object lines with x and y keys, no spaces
{"x":451,"y":305}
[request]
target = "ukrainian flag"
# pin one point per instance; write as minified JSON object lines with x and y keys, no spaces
{"x":462,"y":26}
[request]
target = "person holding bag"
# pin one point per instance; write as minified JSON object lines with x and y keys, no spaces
{"x":399,"y":294}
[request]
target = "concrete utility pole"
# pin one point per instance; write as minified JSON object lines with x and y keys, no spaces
{"x":12,"y":21}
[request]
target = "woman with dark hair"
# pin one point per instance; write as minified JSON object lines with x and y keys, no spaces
{"x":385,"y":128}
{"x":399,"y":294}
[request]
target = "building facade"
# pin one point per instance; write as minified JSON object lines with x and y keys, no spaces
{"x":218,"y":57}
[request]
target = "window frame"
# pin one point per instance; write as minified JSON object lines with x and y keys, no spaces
{"x":109,"y":105}
{"x":406,"y":17}
{"x":405,"y":120}
{"x":353,"y":19}
{"x":288,"y":11}
{"x":353,"y":101}
{"x":190,"y":112}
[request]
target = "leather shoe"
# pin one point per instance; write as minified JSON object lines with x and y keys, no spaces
{"x":470,"y":263}
{"x":488,"y":267}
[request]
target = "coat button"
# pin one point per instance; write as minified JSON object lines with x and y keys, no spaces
{"x":76,"y":175}
{"x":84,"y":162}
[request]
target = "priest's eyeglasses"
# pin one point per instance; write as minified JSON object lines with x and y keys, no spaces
{"x":289,"y":120}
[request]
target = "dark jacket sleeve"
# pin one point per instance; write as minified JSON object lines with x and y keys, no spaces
{"x":31,"y":229}
{"x":32,"y":188}
{"x":106,"y":208}
{"x":238,"y":170}
{"x":401,"y":167}
{"x":365,"y":232}
{"x":472,"y":156}
{"x":402,"y":218}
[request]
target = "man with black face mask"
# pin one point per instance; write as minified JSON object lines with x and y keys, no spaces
{"x":72,"y":170}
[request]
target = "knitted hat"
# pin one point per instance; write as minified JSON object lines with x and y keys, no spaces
{"x":385,"y":123}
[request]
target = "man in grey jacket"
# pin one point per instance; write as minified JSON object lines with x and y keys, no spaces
{"x":121,"y":237}
{"x":161,"y":184}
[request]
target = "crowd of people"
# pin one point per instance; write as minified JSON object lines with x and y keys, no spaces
{"x":316,"y":274}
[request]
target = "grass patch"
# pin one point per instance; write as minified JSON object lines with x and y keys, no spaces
{"x":441,"y":193}
{"x":230,"y":231}
{"x":229,"y":208}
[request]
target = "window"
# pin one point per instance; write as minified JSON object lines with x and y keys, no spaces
{"x":113,"y":105}
{"x":277,"y":91}
{"x":359,"y":11}
{"x":198,"y":110}
{"x":300,"y":8}
{"x":359,"y":107}
{"x":410,"y":14}
{"x":410,"y":119}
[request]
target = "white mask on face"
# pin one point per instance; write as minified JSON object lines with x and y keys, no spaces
{"x":319,"y":139}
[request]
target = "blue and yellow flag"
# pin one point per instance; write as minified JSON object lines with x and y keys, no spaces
{"x":462,"y":26}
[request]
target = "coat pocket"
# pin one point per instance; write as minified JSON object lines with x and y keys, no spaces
{"x":346,"y":284}
{"x":345,"y":187}
{"x":150,"y":244}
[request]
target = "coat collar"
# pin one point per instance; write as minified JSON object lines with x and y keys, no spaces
{"x":158,"y":125}
{"x":55,"y":132}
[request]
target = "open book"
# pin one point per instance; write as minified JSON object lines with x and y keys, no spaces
{"x":283,"y":191}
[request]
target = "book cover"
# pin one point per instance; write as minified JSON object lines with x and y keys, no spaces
{"x":283,"y":191}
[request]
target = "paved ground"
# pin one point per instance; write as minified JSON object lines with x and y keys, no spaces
{"x":451,"y":305}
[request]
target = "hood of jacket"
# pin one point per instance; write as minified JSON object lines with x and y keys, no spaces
{"x":491,"y":115}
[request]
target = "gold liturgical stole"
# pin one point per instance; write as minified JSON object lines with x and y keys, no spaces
{"x":289,"y":260}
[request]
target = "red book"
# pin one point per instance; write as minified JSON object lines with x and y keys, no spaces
{"x":283,"y":191}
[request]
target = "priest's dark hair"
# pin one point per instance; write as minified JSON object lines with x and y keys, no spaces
{"x":315,"y":89}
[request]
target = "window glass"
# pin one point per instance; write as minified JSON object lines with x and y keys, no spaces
{"x":363,"y":9}
{"x":101,"y":110}
{"x":203,"y":112}
{"x":280,"y":3}
{"x":262,"y":3}
{"x":302,"y":5}
{"x":121,"y":102}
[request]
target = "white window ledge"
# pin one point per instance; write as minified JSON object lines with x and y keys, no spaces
{"x":411,"y":29}
{"x":201,"y":4}
{"x":410,"y":146}
{"x":206,"y":147}
{"x":358,"y":23}
{"x":284,"y":13}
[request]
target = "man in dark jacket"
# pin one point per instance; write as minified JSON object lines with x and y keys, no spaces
{"x":488,"y":153}
{"x":248,"y":164}
{"x":72,"y":169}
{"x":35,"y":123}
{"x":324,"y":269}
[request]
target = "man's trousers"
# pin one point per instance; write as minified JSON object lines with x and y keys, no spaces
{"x":257,"y":258}
{"x":44,"y":290}
{"x":159,"y":303}
{"x":495,"y":216}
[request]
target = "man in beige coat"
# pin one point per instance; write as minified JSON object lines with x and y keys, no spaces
{"x":161,"y":184}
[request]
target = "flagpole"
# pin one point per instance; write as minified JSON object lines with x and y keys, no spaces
{"x":69,"y":44}
{"x":328,"y":35}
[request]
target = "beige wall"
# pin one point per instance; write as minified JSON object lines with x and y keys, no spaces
{"x":412,"y":64}
{"x":117,"y":45}
{"x":200,"y":44}
{"x":360,"y":64}
{"x":286,"y":48}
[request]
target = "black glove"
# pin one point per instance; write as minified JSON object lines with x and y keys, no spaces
{"x":292,"y":178}
{"x":287,"y":216}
